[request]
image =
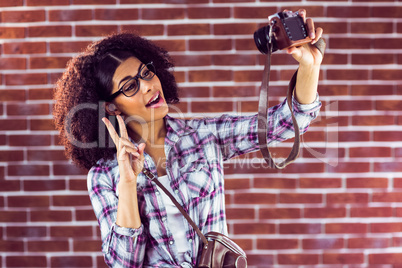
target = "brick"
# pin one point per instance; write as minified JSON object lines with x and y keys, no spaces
{"x":173,"y":46}
{"x":11,"y":3}
{"x":13,"y":124}
{"x":299,"y":228}
{"x":233,"y":29}
{"x":40,"y":94}
{"x":389,"y":136}
{"x":163,"y":13}
{"x":320,"y":183}
{"x":370,"y":152}
{"x":28,"y":170}
{"x":48,"y":62}
{"x":385,"y":258}
{"x":354,"y":136}
{"x":10,"y":156}
{"x":255,"y":228}
{"x":25,"y":48}
{"x":95,"y":30}
{"x":70,"y":15}
{"x":373,"y":90}
{"x":23,"y":16}
{"x":273,"y":183}
{"x":249,"y":75}
{"x":26,"y":261}
{"x":368,"y":242}
{"x":30,"y":140}
{"x":48,"y":2}
{"x":188,"y":29}
{"x":373,"y":59}
{"x":304,"y":168}
{"x":26,"y":231}
{"x":325,"y":212}
{"x":68,"y":169}
{"x":85,"y":215}
{"x":13,"y":216}
{"x":346,"y":228}
{"x":323,"y":243}
{"x":397,"y":182}
{"x":348,"y":12}
{"x":367,"y":183}
{"x":78,"y":184}
{"x":279,"y":213}
{"x":68,"y":47}
{"x":50,"y":31}
{"x":11,"y":246}
{"x":48,"y":246}
{"x":351,"y":167}
{"x":343,"y":258}
{"x":26,"y":79}
{"x":86,"y":245}
{"x":335,"y":59}
{"x":386,"y":43}
{"x":235,"y":60}
{"x":354,"y":105}
{"x":117,"y":14}
{"x":255,"y":198}
{"x":371,"y":28}
{"x":13,"y":95}
{"x":300,"y":259}
{"x":347,"y":75}
{"x":274,"y":244}
{"x":42,"y":124}
{"x":13,"y":64}
{"x":208,"y":12}
{"x":345,"y":198}
{"x":372,"y":120}
{"x":234,"y":184}
{"x":71,"y":200}
{"x":12,"y":32}
{"x":297,"y":198}
{"x":51,"y":216}
{"x":250,"y":12}
{"x":44,"y":185}
{"x":371,"y":212}
{"x":145,"y":29}
{"x":389,"y":105}
{"x":71,"y":261}
{"x":389,"y":74}
{"x":71,"y":231}
{"x":28,"y":201}
{"x":386,"y":227}
{"x":208,"y":45}
{"x":94,"y":2}
{"x":28,"y":109}
{"x":46,"y":155}
{"x":210,"y":75}
{"x":388,"y":167}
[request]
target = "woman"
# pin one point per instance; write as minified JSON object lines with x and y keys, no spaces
{"x":128,"y":77}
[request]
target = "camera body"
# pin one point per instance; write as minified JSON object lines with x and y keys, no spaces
{"x":287,"y":29}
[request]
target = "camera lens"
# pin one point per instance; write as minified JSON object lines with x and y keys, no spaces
{"x":261,"y":39}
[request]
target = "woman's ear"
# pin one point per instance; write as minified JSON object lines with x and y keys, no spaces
{"x":111,"y":109}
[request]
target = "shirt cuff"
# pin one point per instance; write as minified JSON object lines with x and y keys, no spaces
{"x":130,"y":232}
{"x":307,"y":108}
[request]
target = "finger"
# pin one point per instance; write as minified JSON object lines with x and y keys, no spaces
{"x":318,"y":33}
{"x":310,"y":27}
{"x":112,"y":132}
{"x":302,"y":13}
{"x":128,"y":143}
{"x":141,"y":148}
{"x":122,"y":127}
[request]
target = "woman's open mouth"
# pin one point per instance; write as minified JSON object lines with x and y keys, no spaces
{"x":155,"y":102}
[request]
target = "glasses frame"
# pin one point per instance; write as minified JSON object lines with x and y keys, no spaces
{"x":137,"y":77}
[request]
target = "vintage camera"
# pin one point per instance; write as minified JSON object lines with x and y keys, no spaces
{"x":287,"y":29}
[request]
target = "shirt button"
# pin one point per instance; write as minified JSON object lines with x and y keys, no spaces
{"x":176,"y":191}
{"x":171,"y":242}
{"x":190,"y":240}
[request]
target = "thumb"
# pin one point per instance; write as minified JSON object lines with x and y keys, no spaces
{"x":141,"y":148}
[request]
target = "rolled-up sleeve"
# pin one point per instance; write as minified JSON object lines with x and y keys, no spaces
{"x":121,"y":247}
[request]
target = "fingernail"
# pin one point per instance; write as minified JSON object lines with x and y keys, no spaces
{"x":312,"y":35}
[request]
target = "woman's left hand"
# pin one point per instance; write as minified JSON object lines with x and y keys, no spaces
{"x":308,"y":54}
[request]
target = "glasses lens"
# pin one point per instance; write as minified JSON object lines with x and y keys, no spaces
{"x":148,"y":72}
{"x":131,"y":87}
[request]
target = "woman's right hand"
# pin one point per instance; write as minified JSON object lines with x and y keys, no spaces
{"x":129,"y":157}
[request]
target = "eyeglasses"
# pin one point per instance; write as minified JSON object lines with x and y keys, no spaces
{"x":132,"y":86}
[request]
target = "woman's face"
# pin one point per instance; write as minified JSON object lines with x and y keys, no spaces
{"x":148,"y":104}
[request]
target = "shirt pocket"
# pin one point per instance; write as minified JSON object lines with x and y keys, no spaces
{"x":197,"y":178}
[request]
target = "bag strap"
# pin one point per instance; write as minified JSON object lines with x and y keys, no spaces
{"x":153,"y":178}
{"x":263,"y":128}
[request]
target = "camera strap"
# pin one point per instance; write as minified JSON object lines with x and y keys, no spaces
{"x":265,"y":126}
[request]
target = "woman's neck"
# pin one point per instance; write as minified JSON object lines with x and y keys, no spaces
{"x":152,"y":134}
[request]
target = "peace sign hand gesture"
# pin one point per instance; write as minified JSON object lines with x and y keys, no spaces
{"x":129,"y":157}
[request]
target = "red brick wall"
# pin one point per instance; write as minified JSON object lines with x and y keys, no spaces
{"x":339,"y":204}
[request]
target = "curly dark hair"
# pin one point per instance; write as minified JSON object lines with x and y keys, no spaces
{"x":81,"y":91}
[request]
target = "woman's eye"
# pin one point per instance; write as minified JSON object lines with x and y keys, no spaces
{"x":130,"y":86}
{"x":147,"y":74}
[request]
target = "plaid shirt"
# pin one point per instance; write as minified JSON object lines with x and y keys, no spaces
{"x":195,"y":150}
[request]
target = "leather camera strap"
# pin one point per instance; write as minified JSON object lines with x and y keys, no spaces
{"x":152,"y":177}
{"x":263,"y":122}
